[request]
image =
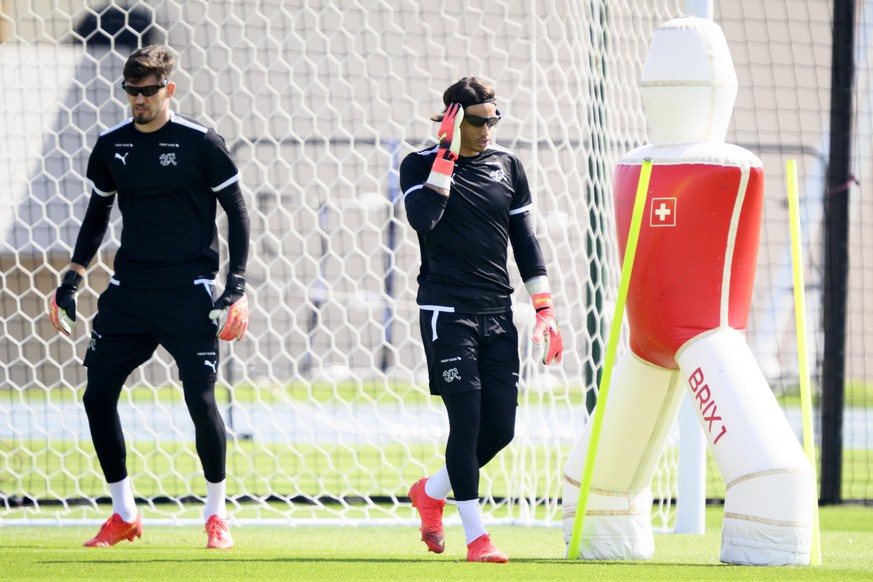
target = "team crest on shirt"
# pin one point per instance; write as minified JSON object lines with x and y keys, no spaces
{"x":167,"y":159}
{"x":497,"y":175}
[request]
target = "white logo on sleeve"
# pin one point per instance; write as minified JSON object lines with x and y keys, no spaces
{"x":167,"y":159}
{"x":122,"y":158}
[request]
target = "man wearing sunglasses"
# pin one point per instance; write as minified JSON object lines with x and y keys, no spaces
{"x":468,"y":200}
{"x":168,"y":173}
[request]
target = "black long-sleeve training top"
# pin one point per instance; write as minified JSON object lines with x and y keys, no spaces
{"x":464,"y":238}
{"x":168,"y":184}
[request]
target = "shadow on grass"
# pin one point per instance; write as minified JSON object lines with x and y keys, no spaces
{"x":387,"y":560}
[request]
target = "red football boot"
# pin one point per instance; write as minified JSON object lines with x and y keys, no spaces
{"x":431,"y":512}
{"x":114,"y":530}
{"x":218,"y":534}
{"x":482,"y":550}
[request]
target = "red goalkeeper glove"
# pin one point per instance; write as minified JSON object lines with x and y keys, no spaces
{"x":62,"y":305}
{"x":546,"y":331}
{"x":231,"y":310}
{"x":449,"y":148}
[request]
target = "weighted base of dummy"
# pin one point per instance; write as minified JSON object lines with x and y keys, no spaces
{"x":642,"y":406}
{"x":615,"y":527}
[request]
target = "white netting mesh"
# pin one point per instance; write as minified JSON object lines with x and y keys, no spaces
{"x":326,"y":400}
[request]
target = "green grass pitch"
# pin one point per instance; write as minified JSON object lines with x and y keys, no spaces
{"x":395,"y":554}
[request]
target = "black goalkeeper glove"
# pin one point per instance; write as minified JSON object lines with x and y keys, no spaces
{"x":231,"y":309}
{"x":62,"y":306}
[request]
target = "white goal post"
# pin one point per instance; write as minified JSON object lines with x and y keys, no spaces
{"x":326,"y":402}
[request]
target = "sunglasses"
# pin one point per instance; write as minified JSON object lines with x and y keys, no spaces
{"x":479,"y":121}
{"x":147,"y":90}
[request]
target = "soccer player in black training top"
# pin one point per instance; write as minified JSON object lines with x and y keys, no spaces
{"x":468,"y":199}
{"x":168,"y":173}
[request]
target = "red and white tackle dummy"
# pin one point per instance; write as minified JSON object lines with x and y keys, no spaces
{"x":687,"y":307}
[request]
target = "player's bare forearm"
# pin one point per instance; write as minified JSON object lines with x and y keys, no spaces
{"x":80,"y":269}
{"x":441,"y":191}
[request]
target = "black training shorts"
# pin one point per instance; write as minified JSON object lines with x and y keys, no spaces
{"x":131,"y":323}
{"x":471,"y":352}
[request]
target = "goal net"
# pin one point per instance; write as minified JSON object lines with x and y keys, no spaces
{"x":326,"y":400}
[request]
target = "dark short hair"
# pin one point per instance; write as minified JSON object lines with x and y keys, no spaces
{"x":149,"y":60}
{"x":467,"y":91}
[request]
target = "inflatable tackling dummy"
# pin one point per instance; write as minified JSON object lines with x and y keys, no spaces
{"x":688,"y":304}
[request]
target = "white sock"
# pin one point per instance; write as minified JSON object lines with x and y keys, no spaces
{"x":471,"y":517}
{"x":215,"y":500}
{"x":122,"y":500}
{"x":438,"y":485}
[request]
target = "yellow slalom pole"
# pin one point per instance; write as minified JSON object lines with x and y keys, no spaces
{"x":609,"y":359}
{"x":802,"y":362}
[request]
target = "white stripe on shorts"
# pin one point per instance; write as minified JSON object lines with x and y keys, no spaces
{"x":433,"y":320}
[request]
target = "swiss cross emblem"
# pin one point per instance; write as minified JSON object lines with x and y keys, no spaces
{"x":663,"y":212}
